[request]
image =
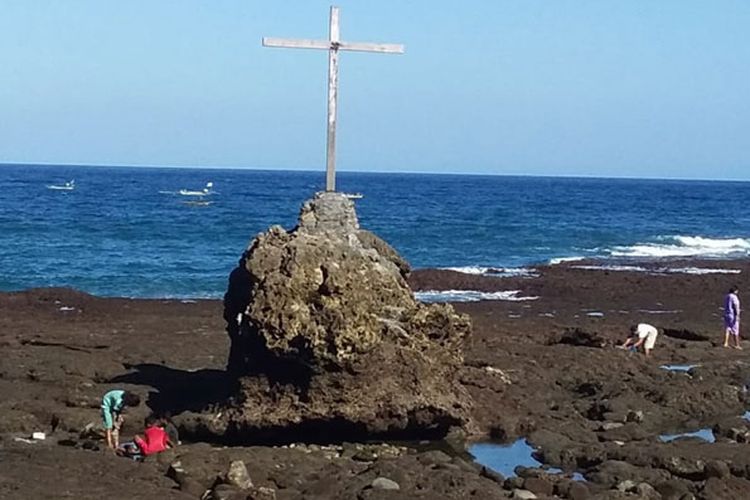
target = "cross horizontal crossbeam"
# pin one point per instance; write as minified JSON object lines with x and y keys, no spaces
{"x":302,"y":43}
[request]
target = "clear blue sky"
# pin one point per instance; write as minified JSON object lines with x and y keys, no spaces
{"x":637,"y":88}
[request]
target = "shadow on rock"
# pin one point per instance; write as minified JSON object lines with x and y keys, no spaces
{"x":179,"y":390}
{"x":322,"y":431}
{"x":579,"y":338}
{"x":684,"y":334}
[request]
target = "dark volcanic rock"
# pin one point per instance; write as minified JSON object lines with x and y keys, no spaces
{"x":57,"y":364}
{"x":728,"y":488}
{"x":578,"y":337}
{"x":328,"y":340}
{"x":685,"y":334}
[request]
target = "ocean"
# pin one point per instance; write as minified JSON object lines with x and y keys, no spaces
{"x":129,"y":232}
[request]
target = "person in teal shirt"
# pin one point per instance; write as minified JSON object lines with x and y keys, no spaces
{"x":113,"y":403}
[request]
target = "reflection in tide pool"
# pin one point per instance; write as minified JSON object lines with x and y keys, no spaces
{"x":504,"y":458}
{"x":705,"y":434}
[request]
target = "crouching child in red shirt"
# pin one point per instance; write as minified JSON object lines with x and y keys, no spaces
{"x":154,"y":440}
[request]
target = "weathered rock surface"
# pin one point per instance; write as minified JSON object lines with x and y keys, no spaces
{"x":329,"y":342}
{"x":238,"y":475}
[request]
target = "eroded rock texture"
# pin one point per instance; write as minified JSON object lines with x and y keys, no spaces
{"x":328,"y":341}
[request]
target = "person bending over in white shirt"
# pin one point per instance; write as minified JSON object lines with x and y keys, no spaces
{"x":644,"y":335}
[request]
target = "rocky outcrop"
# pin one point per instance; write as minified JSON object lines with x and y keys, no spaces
{"x":328,"y":341}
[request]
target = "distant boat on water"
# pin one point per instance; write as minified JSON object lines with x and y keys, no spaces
{"x":68,"y":186}
{"x":204,"y":192}
{"x":353,"y":196}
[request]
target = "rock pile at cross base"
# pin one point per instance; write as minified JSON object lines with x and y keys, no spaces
{"x":328,"y":342}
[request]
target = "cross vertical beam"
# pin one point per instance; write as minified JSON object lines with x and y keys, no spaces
{"x":333,"y":45}
{"x":333,"y":91}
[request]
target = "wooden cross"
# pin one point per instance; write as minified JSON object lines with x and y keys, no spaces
{"x":332,"y":45}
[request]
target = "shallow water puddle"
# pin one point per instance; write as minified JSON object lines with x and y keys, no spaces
{"x":705,"y":434}
{"x":504,"y":458}
{"x":576,"y":476}
{"x":678,"y":368}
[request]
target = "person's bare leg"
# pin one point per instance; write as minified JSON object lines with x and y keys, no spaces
{"x":726,"y":337}
{"x":737,"y":342}
{"x":116,"y":430}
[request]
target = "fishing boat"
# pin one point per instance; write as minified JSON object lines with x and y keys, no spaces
{"x":68,"y":186}
{"x":353,"y":196}
{"x":204,"y":192}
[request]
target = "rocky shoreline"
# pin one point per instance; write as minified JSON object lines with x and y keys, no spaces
{"x":544,"y":370}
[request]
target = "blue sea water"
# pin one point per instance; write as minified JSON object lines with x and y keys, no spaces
{"x":128,"y":231}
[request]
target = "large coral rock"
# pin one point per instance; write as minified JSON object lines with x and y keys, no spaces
{"x":328,"y":341}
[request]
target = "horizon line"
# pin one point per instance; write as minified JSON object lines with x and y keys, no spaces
{"x":410,"y":172}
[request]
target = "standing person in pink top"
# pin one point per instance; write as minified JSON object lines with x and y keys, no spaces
{"x":732,"y":318}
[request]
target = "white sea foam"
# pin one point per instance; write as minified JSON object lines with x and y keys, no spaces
{"x":610,"y":267}
{"x":560,"y":260}
{"x":430,"y":296}
{"x":494,"y":271}
{"x":659,"y":270}
{"x":686,"y":246}
{"x":702,"y":270}
{"x":466,"y":269}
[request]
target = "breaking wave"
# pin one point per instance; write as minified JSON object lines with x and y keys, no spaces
{"x":560,"y":260}
{"x":659,"y":270}
{"x":504,"y":272}
{"x":686,"y":246}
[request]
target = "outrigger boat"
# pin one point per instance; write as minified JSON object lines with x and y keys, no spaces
{"x":204,"y":192}
{"x":68,"y":186}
